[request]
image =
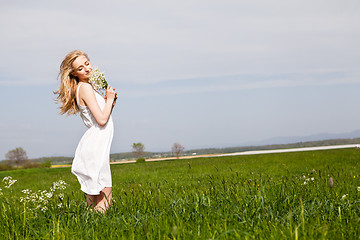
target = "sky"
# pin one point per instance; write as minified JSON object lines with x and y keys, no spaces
{"x":203,"y":73}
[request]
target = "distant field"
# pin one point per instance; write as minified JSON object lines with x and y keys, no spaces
{"x":116,"y":157}
{"x":270,"y":196}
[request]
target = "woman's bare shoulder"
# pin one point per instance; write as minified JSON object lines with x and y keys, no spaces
{"x":86,"y":92}
{"x":85,"y":88}
{"x":85,"y":85}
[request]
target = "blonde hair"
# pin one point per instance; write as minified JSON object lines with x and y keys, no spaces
{"x":68,"y":84}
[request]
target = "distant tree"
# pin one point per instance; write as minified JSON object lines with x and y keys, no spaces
{"x":177,"y":149}
{"x":138,"y":149}
{"x":17,"y":155}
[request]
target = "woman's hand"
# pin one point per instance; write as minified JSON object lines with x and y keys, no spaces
{"x":110,"y":93}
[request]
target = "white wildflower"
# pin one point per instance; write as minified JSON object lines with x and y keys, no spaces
{"x":48,"y":195}
{"x":40,"y":199}
{"x":308,"y":180}
{"x":344,"y":196}
{"x":358,"y":188}
{"x":97,"y":79}
{"x":26,"y":191}
{"x":59,"y":185}
{"x":5,"y":179}
{"x":60,"y":205}
{"x":9,"y":181}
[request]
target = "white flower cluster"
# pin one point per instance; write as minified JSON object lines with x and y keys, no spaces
{"x":97,"y":79}
{"x":58,"y":185}
{"x":8,"y":181}
{"x":40,"y":199}
{"x":307,"y":180}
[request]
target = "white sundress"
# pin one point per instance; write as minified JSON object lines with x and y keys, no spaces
{"x":91,"y":164}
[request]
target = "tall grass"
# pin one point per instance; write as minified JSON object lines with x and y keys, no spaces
{"x":275,"y":196}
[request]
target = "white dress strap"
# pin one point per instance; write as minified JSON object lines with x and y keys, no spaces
{"x":77,"y":93}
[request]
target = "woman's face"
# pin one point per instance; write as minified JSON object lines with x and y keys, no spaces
{"x":82,"y":68}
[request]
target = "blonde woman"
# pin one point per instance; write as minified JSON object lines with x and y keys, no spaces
{"x":91,"y":164}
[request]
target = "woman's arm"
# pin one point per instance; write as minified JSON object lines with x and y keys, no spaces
{"x":86,"y":93}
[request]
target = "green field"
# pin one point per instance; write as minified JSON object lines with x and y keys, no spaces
{"x":273,"y":196}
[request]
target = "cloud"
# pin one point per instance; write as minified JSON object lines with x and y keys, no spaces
{"x":236,"y":83}
{"x":163,"y":40}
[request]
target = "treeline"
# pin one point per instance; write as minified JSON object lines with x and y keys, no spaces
{"x":18,"y":159}
{"x":130,"y":155}
{"x":113,"y":158}
{"x":53,"y":160}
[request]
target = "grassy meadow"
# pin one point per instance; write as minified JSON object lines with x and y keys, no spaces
{"x":271,"y":196}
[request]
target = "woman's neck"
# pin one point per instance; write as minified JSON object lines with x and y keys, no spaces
{"x":84,"y":81}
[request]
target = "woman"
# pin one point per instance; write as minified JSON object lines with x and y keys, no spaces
{"x":91,"y":164}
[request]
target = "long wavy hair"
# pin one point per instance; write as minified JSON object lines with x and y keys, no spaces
{"x":66,"y":94}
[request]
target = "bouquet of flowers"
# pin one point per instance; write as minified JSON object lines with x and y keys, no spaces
{"x":97,"y":79}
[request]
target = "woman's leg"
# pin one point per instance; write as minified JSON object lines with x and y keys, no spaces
{"x":91,"y":200}
{"x":104,"y":200}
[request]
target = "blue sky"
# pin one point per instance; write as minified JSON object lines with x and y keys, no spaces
{"x":202,"y":73}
